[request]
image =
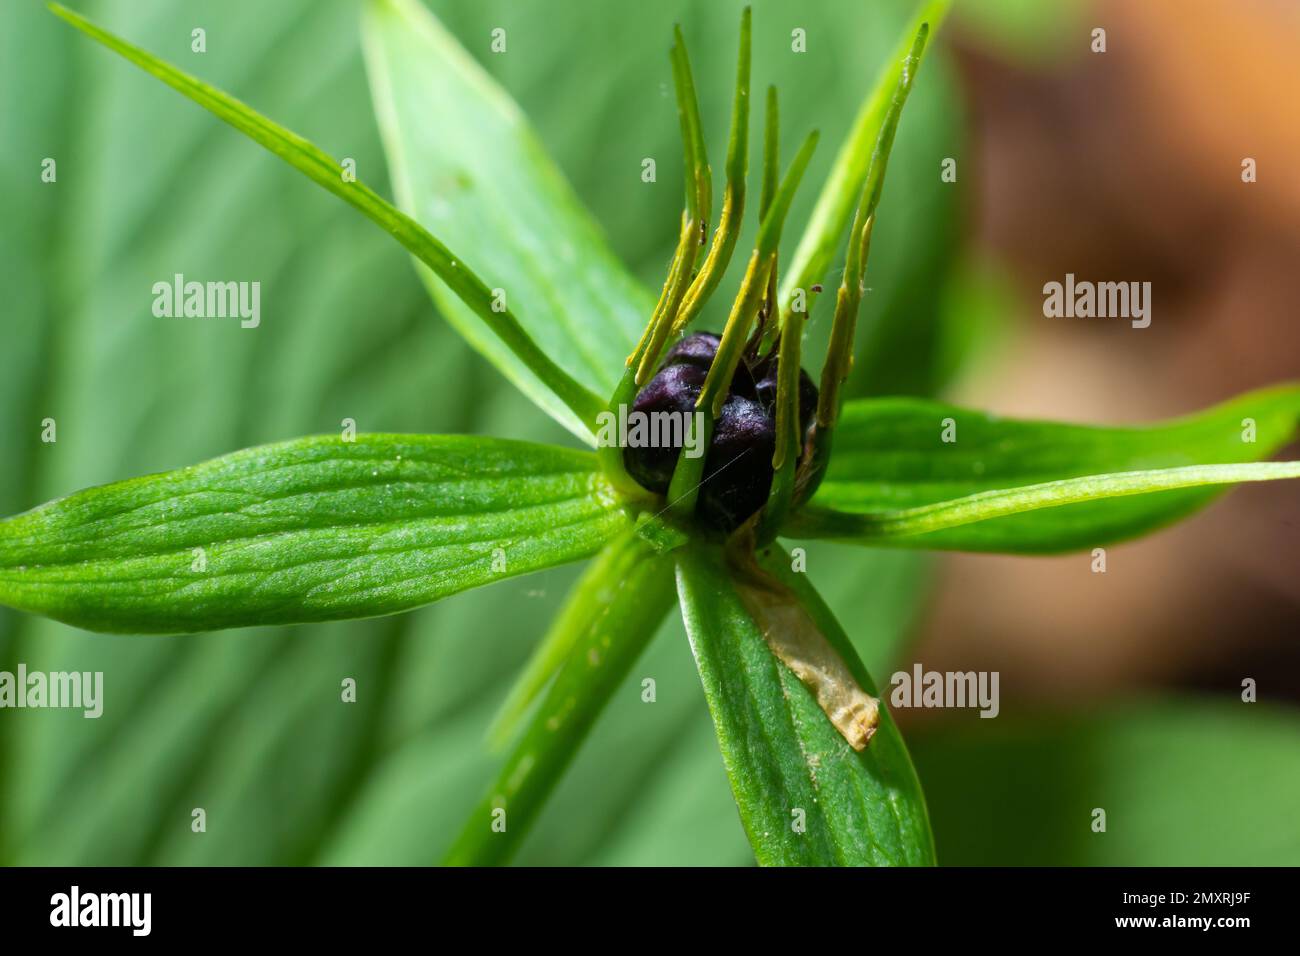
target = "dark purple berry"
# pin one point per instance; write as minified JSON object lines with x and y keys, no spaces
{"x":698,"y":349}
{"x":738,"y":468}
{"x":695,"y":349}
{"x":737,"y":474}
{"x":765,"y":391}
{"x":674,"y":389}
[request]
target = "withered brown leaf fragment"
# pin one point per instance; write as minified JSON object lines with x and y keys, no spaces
{"x":796,"y":640}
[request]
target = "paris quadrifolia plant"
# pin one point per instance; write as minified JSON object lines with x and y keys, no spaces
{"x":708,"y":453}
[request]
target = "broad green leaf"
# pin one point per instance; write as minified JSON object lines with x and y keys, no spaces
{"x":666,"y":800}
{"x":788,"y":765}
{"x":1183,"y":782}
{"x":466,"y":164}
{"x":613,"y":612}
{"x":894,"y":480}
{"x":309,"y":530}
{"x":579,"y":405}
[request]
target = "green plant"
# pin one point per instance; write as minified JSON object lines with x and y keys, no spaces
{"x":324,"y":528}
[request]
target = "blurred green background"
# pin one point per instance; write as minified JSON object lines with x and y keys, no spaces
{"x":248,"y":724}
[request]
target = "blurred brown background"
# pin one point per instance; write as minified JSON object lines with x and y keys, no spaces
{"x":1126,"y":166}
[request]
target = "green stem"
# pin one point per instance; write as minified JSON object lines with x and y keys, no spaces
{"x":771,"y":153}
{"x":771,"y":168}
{"x":699,"y":206}
{"x":839,"y":351}
{"x":752,"y":289}
{"x":688,"y":475}
{"x":788,"y":438}
{"x":754,"y":286}
{"x":733,"y":203}
{"x":839,"y":355}
{"x":699,"y":177}
{"x":665,"y":318}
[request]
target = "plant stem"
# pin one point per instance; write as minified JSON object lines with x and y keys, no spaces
{"x":733,"y":203}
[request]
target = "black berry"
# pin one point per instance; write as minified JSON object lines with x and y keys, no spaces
{"x":738,"y":467}
{"x":675,"y":390}
{"x":738,"y":462}
{"x":765,"y":390}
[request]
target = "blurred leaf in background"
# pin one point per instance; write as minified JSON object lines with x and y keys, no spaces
{"x":1183,"y":782}
{"x":249,"y":725}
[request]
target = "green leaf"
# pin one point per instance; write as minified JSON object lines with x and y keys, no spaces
{"x":610,"y":617}
{"x":1182,"y":782}
{"x":579,"y":405}
{"x":781,"y":752}
{"x":912,"y":523}
{"x":308,"y":530}
{"x":1028,"y":486}
{"x":466,"y":164}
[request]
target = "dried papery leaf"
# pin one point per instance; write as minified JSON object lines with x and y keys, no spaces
{"x":796,"y":640}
